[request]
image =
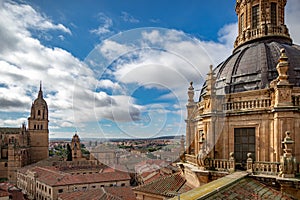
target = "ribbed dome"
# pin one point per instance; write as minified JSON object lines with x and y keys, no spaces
{"x":253,"y":66}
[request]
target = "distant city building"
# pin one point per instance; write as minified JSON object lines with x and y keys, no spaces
{"x":22,"y":146}
{"x":76,"y":149}
{"x":64,"y":178}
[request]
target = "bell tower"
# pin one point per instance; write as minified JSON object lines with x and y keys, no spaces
{"x":38,"y":128}
{"x":261,"y":19}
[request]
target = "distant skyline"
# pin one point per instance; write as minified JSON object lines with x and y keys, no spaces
{"x":113,"y":68}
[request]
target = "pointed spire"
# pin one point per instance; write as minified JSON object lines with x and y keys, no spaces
{"x":40,"y":96}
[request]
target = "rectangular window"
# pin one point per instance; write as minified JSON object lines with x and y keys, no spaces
{"x":244,"y":143}
{"x":255,"y":16}
{"x":274,"y":14}
{"x":241,"y":23}
{"x":60,"y":191}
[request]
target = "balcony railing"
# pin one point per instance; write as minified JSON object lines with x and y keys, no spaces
{"x":247,"y":105}
{"x":221,"y":164}
{"x":267,"y":168}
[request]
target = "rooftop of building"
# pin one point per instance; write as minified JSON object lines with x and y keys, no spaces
{"x":234,"y":186}
{"x":112,"y":193}
{"x":53,"y":177}
{"x":167,"y":186}
{"x":10,"y":130}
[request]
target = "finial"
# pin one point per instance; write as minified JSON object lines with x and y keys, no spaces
{"x":283,"y":56}
{"x":282,"y":68}
{"x":40,"y":92}
{"x":191,"y":86}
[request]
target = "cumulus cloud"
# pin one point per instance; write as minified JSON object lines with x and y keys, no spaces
{"x":25,"y":61}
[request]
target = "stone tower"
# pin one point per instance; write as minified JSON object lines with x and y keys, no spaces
{"x":38,"y":129}
{"x":260,"y":19}
{"x":76,"y":148}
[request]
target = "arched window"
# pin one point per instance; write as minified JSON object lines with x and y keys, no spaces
{"x":39,"y":112}
{"x":34,"y":127}
{"x":5,"y":164}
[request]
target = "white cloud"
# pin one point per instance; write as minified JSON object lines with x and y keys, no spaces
{"x":25,"y":61}
{"x":13,"y":122}
{"x":129,"y":18}
{"x":105,"y":25}
{"x":24,"y":16}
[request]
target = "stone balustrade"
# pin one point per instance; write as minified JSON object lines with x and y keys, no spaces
{"x":220,"y":164}
{"x":267,"y":168}
{"x":262,"y":31}
{"x":247,"y":105}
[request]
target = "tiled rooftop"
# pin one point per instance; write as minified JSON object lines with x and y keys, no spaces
{"x":234,"y":186}
{"x":248,"y":188}
{"x":111,"y":193}
{"x":51,"y":176}
{"x":166,"y":186}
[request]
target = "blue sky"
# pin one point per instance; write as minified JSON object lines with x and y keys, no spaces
{"x":112,"y":68}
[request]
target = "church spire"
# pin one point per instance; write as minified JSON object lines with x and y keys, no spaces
{"x":40,"y":95}
{"x":260,"y":19}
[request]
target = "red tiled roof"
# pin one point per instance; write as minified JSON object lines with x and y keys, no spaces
{"x":111,"y":193}
{"x":52,"y":177}
{"x":124,"y":193}
{"x":93,"y":178}
{"x":4,"y":193}
{"x":166,"y":186}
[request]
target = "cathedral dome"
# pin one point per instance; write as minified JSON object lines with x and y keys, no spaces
{"x":253,"y":66}
{"x":262,"y":34}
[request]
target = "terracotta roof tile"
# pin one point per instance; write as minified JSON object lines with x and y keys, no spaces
{"x":165,"y":186}
{"x":111,"y":193}
{"x":51,"y":176}
{"x":93,"y":178}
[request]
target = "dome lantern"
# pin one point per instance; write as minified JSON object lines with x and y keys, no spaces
{"x":259,"y":19}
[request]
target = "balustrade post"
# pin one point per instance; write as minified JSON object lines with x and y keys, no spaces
{"x":249,"y":163}
{"x":231,"y":163}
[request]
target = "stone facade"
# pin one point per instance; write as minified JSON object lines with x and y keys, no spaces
{"x":25,"y":145}
{"x":48,"y":182}
{"x":258,"y":19}
{"x":244,"y":108}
